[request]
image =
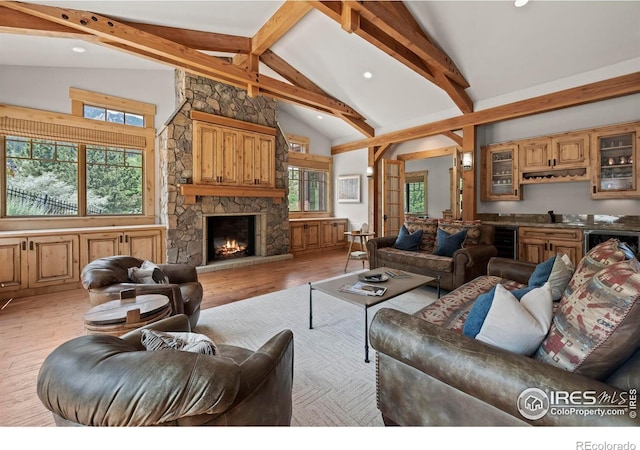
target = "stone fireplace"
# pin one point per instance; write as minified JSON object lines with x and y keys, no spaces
{"x":188,"y":238}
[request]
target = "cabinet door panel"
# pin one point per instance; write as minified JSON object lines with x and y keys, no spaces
{"x":532,"y":250}
{"x":13,"y":270}
{"x":572,"y":249}
{"x":227,"y":158}
{"x":265,"y":166}
{"x":53,"y":260}
{"x":535,"y":155}
{"x":249,"y":160}
{"x":99,"y":245}
{"x":297,"y":236}
{"x":313,"y":236}
{"x":571,"y":151}
{"x":144,"y":245}
{"x":205,"y":154}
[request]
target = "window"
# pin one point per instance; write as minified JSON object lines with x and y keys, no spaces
{"x":298,"y":144}
{"x":307,"y":190}
{"x":71,"y":168}
{"x":42,"y":179}
{"x":416,"y":192}
{"x":309,"y":185}
{"x":109,"y":115}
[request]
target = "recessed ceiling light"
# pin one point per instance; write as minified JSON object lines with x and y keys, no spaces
{"x":519,"y":3}
{"x":79,"y":49}
{"x":320,"y":117}
{"x":367,"y":75}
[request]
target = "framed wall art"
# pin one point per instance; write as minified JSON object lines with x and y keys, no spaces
{"x":349,"y":189}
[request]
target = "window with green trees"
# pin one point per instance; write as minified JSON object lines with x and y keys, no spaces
{"x":416,"y":192}
{"x":307,"y":189}
{"x":51,"y":178}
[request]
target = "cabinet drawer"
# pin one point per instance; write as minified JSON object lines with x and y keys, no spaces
{"x":567,"y":234}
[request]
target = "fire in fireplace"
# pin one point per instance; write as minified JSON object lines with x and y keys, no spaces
{"x":230,"y":237}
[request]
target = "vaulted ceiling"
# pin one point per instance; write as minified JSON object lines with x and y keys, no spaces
{"x":428,"y":60}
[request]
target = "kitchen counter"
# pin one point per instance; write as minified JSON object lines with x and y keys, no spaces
{"x":568,"y":225}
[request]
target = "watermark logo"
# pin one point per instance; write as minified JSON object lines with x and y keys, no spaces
{"x":534,"y":403}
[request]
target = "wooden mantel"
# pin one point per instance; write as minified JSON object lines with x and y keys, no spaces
{"x":190,"y":191}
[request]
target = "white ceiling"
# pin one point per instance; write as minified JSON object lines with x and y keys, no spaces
{"x":501,"y":50}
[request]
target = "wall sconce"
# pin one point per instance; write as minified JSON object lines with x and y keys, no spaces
{"x":467,"y":160}
{"x":370,"y":172}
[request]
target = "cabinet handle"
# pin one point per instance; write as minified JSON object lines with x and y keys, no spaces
{"x":126,"y":238}
{"x":545,"y":246}
{"x":554,"y":162}
{"x":594,"y":188}
{"x":548,"y":163}
{"x":30,"y":245}
{"x":121,"y":239}
{"x":24,"y":245}
{"x":550,"y":246}
{"x":516,"y":193}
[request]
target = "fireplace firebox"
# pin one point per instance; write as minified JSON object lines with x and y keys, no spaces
{"x":230,"y":237}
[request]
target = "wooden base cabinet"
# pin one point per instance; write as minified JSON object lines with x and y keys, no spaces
{"x":142,"y":244}
{"x":307,"y":235}
{"x":38,"y":262}
{"x":43,"y":261}
{"x":537,"y":244}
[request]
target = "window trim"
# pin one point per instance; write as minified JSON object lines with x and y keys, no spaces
{"x":303,"y":141}
{"x":80,"y":98}
{"x":146,"y":136}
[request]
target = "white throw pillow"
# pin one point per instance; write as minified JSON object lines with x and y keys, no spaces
{"x":560,"y":276}
{"x":188,"y":342}
{"x":519,"y":327}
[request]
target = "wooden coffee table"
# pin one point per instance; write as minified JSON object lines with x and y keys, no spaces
{"x":120,"y":316}
{"x":395,"y":287}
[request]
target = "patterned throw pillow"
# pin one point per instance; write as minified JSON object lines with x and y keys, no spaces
{"x":596,"y":327}
{"x":473,"y":228}
{"x":599,"y":257}
{"x":188,"y":342}
{"x":429,"y":229}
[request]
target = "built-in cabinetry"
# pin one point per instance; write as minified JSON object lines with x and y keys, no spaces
{"x":231,"y":158}
{"x":537,"y":244}
{"x":42,"y":261}
{"x":615,"y":167}
{"x":500,"y":172}
{"x":605,"y":156}
{"x":557,"y":158}
{"x":317,"y":234}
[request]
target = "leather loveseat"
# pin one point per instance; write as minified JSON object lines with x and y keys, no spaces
{"x":464,"y":265}
{"x":99,"y":380}
{"x":429,"y":373}
{"x":104,"y":278}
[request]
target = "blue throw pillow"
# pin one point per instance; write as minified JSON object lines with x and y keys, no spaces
{"x":542,"y":272}
{"x":408,"y":241}
{"x":480,"y":309}
{"x":447,"y":244}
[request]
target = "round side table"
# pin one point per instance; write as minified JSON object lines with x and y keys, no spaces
{"x":121,"y":316}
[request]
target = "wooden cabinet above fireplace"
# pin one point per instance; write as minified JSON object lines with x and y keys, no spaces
{"x":231,"y":158}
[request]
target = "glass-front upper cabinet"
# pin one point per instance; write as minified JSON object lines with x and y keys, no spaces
{"x":500,"y":173}
{"x":615,"y":167}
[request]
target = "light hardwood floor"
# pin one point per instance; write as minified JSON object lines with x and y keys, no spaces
{"x":31,"y":327}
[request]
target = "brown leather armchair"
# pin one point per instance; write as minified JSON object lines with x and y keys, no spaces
{"x":99,"y":380}
{"x":104,"y":278}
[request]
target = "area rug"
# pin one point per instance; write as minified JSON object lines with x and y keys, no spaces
{"x":332,"y":385}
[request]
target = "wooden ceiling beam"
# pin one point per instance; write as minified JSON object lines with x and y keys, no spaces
{"x":277,"y":26}
{"x":395,"y":20}
{"x":588,"y":93}
{"x":149,"y":45}
{"x":16,"y":22}
{"x":289,"y":73}
{"x":454,"y":137}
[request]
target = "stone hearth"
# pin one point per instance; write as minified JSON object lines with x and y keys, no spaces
{"x":186,"y":238}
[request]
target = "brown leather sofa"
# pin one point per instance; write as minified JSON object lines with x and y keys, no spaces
{"x":99,"y":380}
{"x":465,"y":264}
{"x":430,"y":374}
{"x":104,"y":278}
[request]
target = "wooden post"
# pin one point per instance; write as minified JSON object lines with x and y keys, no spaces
{"x":469,"y":197}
